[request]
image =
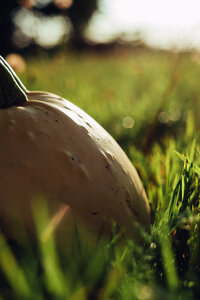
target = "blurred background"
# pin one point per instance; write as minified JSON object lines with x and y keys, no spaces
{"x":27,"y":24}
{"x":132,"y":65}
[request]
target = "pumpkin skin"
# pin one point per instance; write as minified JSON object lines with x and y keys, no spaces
{"x":50,"y":149}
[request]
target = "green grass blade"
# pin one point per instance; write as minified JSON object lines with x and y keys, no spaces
{"x":13,"y":272}
{"x":54,"y":278}
{"x":168,"y":260}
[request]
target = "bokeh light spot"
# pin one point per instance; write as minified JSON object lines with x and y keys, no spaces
{"x":128,"y":122}
{"x":163,"y":117}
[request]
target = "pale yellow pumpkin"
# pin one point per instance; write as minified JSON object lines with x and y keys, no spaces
{"x":50,"y":149}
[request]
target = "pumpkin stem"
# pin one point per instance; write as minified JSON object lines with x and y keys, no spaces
{"x":12,"y":91}
{"x":14,"y":74}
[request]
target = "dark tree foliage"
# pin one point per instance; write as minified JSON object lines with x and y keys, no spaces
{"x":79,"y":13}
{"x":7,"y":8}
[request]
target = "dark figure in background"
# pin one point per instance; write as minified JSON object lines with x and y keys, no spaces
{"x":78,"y":11}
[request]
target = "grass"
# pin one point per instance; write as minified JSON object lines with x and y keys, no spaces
{"x":149,"y":102}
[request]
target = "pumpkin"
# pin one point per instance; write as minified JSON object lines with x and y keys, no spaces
{"x":53,"y":151}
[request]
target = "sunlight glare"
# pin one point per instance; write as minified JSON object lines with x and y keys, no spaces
{"x":163,"y":23}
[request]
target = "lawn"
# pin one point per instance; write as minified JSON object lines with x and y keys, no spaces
{"x":149,"y":102}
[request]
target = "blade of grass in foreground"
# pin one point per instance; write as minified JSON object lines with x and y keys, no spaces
{"x":168,"y":260}
{"x":14,"y":274}
{"x":54,"y":278}
{"x":195,"y":168}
